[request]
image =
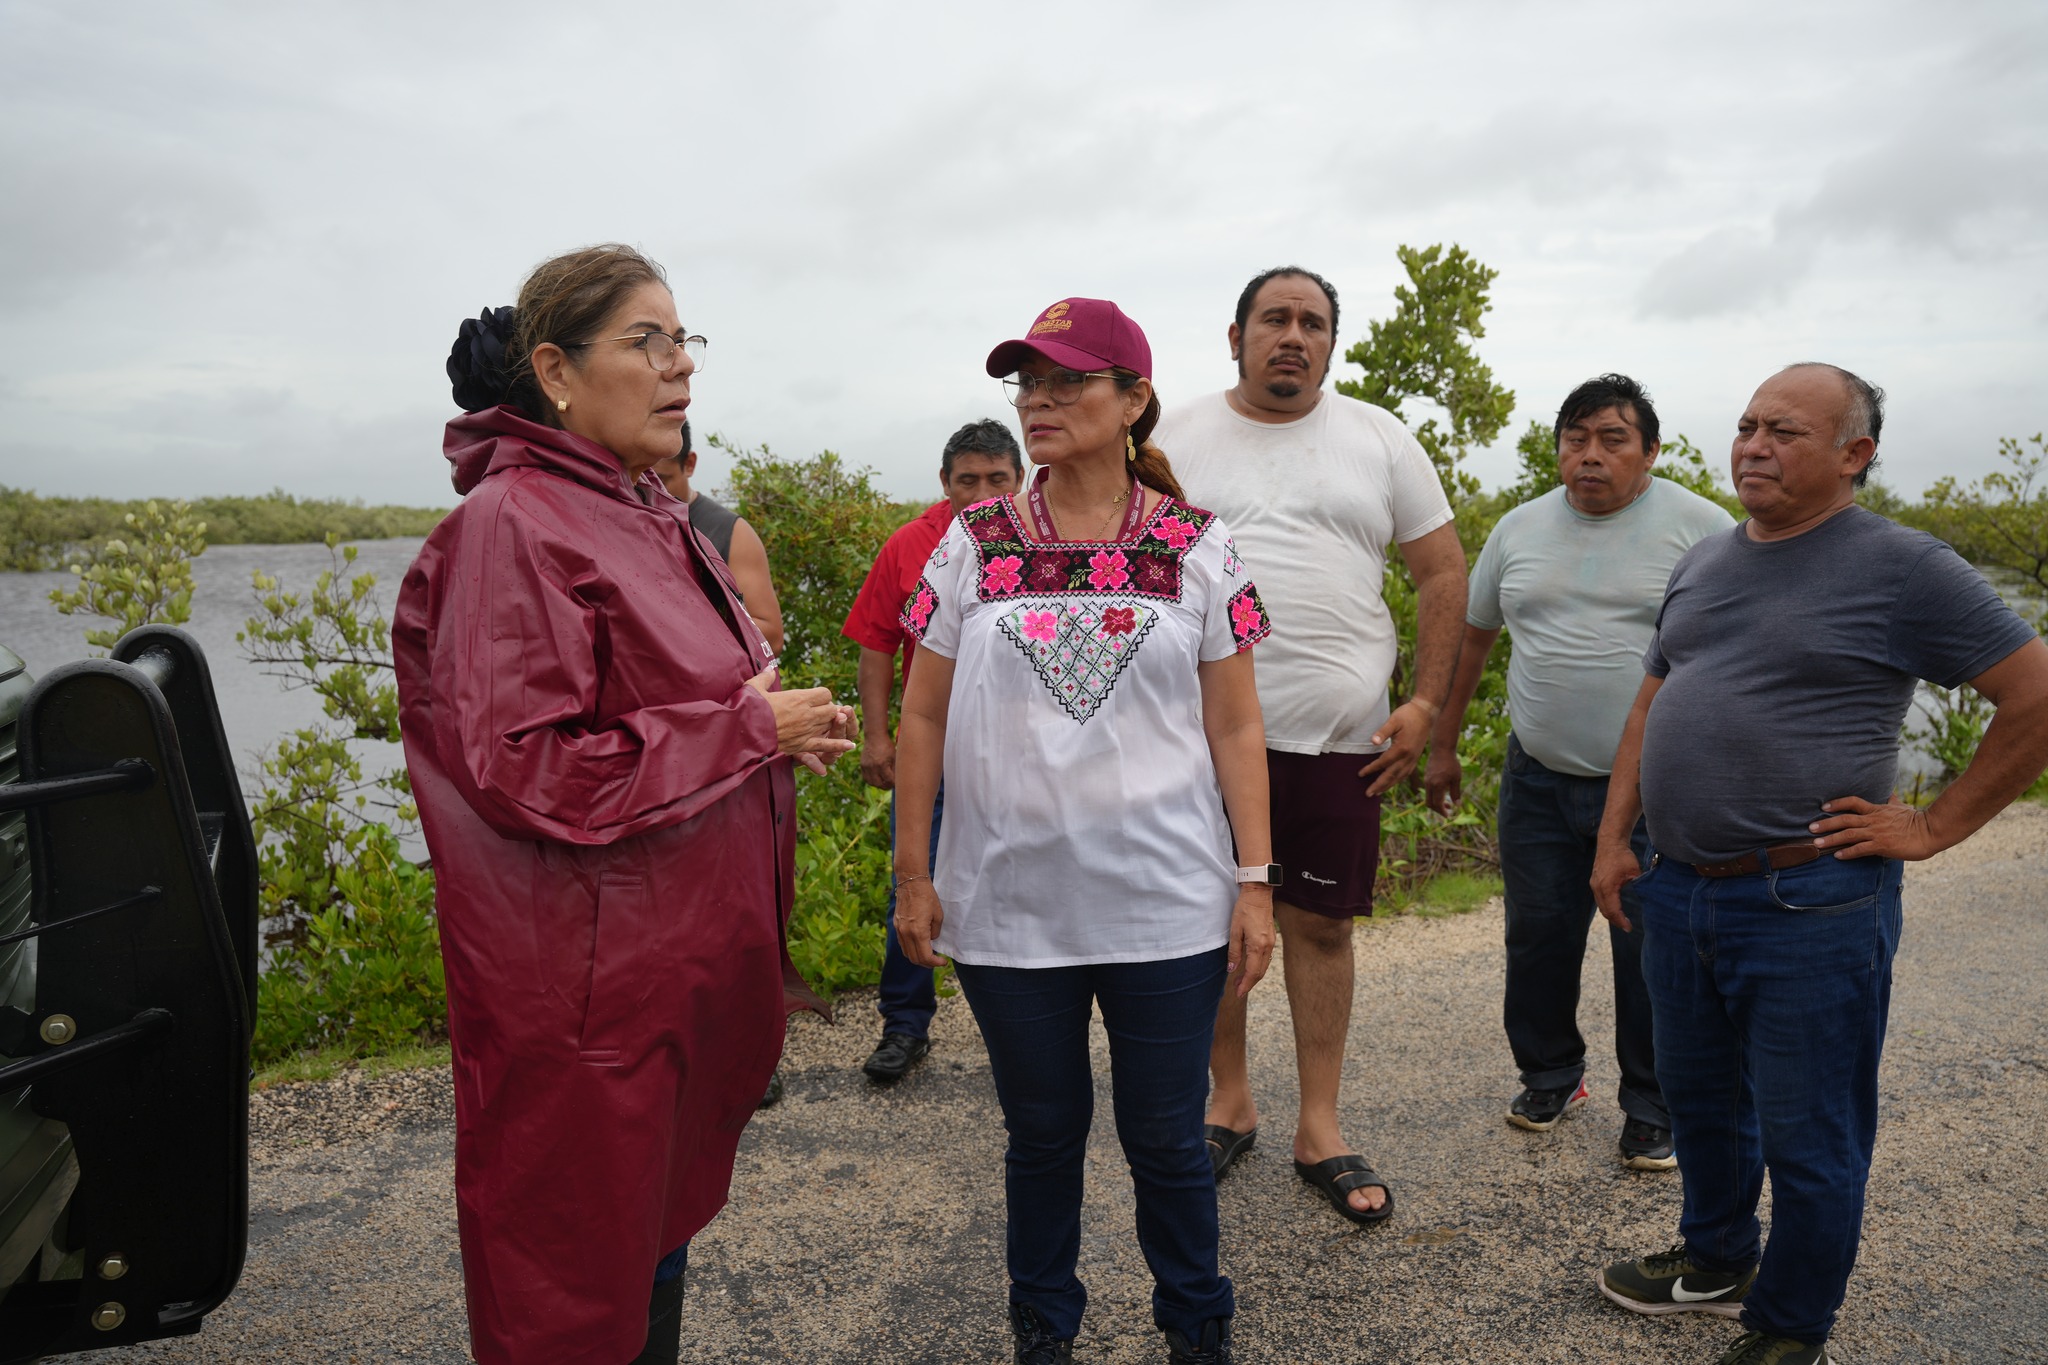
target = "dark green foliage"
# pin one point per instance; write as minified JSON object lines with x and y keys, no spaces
{"x":48,"y":533}
{"x":823,"y":524}
{"x":365,"y":974}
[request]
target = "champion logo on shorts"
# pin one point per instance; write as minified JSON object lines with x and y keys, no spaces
{"x":1319,"y":881}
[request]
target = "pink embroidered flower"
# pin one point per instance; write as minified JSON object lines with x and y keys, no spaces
{"x":1106,"y":569}
{"x":1119,"y":621}
{"x":1041,"y":625}
{"x":1048,"y":572}
{"x":921,"y":606}
{"x":1173,"y":531}
{"x":1000,"y":575}
{"x":1245,"y":616}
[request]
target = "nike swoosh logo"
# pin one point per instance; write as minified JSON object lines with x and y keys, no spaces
{"x":1319,"y":881}
{"x":1680,"y":1294}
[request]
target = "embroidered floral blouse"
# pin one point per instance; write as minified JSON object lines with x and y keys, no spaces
{"x":1083,"y":819}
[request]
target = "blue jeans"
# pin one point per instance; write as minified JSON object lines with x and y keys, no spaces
{"x":907,"y":999}
{"x":1771,"y":993}
{"x":1549,"y":829}
{"x":1160,"y":1017}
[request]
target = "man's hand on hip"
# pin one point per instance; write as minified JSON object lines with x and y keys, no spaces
{"x":1855,"y":828}
{"x":1404,"y":734}
{"x":1614,"y":866}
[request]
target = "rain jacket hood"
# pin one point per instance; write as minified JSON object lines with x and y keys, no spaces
{"x":612,"y":831}
{"x":483,"y":443}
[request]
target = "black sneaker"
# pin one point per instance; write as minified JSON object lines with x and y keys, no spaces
{"x":1212,"y":1349}
{"x":1760,"y":1348}
{"x":1646,"y":1147}
{"x":1036,"y":1345}
{"x":1671,"y":1283}
{"x":896,"y":1054}
{"x":1539,"y":1110}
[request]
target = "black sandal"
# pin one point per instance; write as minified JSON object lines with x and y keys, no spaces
{"x":1338,"y":1177}
{"x":1226,"y":1146}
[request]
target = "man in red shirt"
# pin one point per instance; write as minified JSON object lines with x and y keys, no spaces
{"x":980,"y":461}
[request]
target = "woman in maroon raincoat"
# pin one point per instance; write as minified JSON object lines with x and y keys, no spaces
{"x":596,"y":746}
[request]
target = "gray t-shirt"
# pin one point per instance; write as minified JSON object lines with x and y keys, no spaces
{"x":1787,"y":668}
{"x":1580,"y":595}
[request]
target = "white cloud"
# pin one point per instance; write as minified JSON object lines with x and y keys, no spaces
{"x":253,"y":230}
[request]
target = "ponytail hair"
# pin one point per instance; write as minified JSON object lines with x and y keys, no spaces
{"x":1151,"y":467}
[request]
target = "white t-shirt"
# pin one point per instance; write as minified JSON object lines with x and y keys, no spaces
{"x":1313,"y":504}
{"x":1083,"y":820}
{"x":1580,"y":595}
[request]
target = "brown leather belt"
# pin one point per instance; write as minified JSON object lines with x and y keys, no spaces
{"x":1781,"y":856}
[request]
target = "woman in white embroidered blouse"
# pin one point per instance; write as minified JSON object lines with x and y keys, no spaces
{"x":1084,"y":681}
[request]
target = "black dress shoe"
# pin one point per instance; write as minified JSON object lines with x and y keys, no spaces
{"x":897,"y":1053}
{"x":1036,"y":1345}
{"x":1212,"y":1349}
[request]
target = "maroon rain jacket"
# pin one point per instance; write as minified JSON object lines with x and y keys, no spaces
{"x":613,"y":839}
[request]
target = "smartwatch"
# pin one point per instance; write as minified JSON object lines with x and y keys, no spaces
{"x":1268,"y":873}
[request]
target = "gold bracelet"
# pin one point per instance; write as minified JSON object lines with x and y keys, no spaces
{"x":902,"y":882}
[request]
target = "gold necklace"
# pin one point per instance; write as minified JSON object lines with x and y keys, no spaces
{"x":1114,"y":507}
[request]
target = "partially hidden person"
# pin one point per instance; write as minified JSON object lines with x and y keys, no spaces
{"x":1084,"y":684}
{"x":1316,"y":485}
{"x":1763,"y":748}
{"x":603,"y":770}
{"x":739,"y":545}
{"x":978,"y":462}
{"x":1576,"y":576}
{"x":736,"y":541}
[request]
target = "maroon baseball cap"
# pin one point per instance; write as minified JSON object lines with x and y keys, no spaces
{"x":1081,"y":334}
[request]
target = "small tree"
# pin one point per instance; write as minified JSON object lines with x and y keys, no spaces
{"x":823,"y":523}
{"x":142,"y":578}
{"x":357,"y":962}
{"x":1422,"y":352}
{"x":318,"y":806}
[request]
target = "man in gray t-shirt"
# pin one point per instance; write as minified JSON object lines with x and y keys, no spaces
{"x":1577,"y":575}
{"x":1763,"y":747}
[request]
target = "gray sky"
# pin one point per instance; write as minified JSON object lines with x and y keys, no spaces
{"x":236,"y":239}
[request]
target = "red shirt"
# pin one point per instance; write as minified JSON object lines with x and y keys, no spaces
{"x":872,"y":622}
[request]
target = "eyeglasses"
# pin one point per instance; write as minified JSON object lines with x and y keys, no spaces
{"x":1064,"y":386}
{"x":661,"y":349}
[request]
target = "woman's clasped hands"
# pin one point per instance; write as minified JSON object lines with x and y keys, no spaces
{"x":809,"y":725}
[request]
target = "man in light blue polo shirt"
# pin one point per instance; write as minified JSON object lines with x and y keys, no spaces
{"x":1576,"y":576}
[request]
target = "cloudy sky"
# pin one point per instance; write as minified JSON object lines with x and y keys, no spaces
{"x":236,"y":239}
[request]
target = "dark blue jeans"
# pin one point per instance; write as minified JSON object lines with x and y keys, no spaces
{"x":1160,"y":1017}
{"x":1771,"y":993}
{"x":1549,"y":829}
{"x":907,"y":998}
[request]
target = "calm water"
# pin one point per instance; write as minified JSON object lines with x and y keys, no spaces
{"x":254,"y":707}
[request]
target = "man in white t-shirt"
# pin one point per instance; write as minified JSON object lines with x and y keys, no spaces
{"x":1314,"y":486}
{"x":1576,"y":576}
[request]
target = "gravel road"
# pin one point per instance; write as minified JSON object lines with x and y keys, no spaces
{"x":866,"y":1224}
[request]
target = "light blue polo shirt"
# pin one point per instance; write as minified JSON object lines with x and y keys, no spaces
{"x":1580,"y":595}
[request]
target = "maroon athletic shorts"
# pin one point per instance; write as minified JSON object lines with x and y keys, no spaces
{"x":1326,"y":831}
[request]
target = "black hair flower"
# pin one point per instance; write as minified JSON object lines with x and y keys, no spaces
{"x":480,"y":364}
